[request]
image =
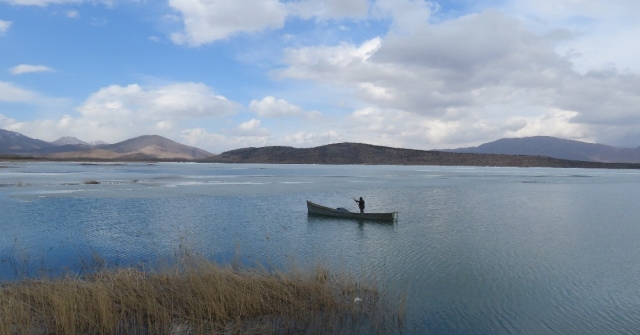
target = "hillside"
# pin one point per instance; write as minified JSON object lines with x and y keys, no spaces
{"x":150,"y":147}
{"x":519,"y":152}
{"x":557,"y":148}
{"x":68,"y":140}
{"x":356,"y":153}
{"x":12,"y":142}
{"x":147,"y":147}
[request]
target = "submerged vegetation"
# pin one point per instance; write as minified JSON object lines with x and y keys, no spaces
{"x":195,"y":297}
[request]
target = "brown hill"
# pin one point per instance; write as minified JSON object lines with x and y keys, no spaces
{"x":356,"y":153}
{"x":68,"y":140}
{"x":148,"y":147}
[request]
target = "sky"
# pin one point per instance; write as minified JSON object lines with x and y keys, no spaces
{"x":227,"y":74}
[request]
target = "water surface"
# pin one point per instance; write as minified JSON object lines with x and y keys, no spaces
{"x":474,"y":251}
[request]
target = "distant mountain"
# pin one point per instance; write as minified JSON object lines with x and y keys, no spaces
{"x":557,"y":148}
{"x":69,"y":140}
{"x":357,"y":153}
{"x":526,"y":152}
{"x":148,"y":147}
{"x":12,"y":142}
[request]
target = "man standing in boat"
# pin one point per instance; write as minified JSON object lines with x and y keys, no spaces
{"x":360,"y":204}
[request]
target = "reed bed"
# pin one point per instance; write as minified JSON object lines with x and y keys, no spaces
{"x":194,"y":297}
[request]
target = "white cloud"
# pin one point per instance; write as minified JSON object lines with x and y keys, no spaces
{"x":47,"y":129}
{"x":4,"y":26}
{"x":605,"y":31}
{"x":116,"y":113}
{"x":272,"y":107}
{"x":6,"y":122}
{"x":407,"y":15}
{"x":73,"y":14}
{"x":181,"y":100}
{"x":10,"y":92}
{"x":555,"y":122}
{"x":313,"y":139}
{"x":329,"y":9}
{"x":566,"y":67}
{"x":573,"y":9}
{"x":468,"y":79}
{"x":217,"y":143}
{"x":562,"y":68}
{"x":251,"y":128}
{"x":25,"y":68}
{"x":208,"y":21}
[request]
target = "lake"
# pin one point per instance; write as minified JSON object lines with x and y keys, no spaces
{"x":475,"y":250}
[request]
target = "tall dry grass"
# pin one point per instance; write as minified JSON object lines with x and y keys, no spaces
{"x":193,"y":297}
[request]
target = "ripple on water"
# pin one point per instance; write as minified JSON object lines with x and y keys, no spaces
{"x":474,"y":251}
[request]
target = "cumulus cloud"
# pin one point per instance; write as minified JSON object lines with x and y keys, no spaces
{"x":48,"y":129}
{"x":115,"y":113}
{"x":181,"y":100}
{"x":207,"y":21}
{"x":329,"y":9}
{"x":4,"y":26}
{"x":6,"y":122}
{"x":561,"y":68}
{"x":272,"y":107}
{"x":566,"y":9}
{"x":602,"y":98}
{"x":604,"y":31}
{"x":436,"y":67}
{"x":251,"y":128}
{"x":217,"y":143}
{"x":407,"y":15}
{"x":568,"y":68}
{"x":555,"y":122}
{"x":10,"y":92}
{"x":25,"y":68}
{"x":464,"y":78}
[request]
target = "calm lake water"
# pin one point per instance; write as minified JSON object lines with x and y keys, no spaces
{"x":474,"y":250}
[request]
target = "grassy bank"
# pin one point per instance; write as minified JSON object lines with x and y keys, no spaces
{"x":194,"y":297}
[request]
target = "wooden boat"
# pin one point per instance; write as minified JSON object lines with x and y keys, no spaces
{"x":343,"y":213}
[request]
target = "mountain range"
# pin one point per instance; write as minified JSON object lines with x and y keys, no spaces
{"x":358,"y":153}
{"x":74,"y":141}
{"x":557,"y":148}
{"x":147,"y":147}
{"x":528,"y":151}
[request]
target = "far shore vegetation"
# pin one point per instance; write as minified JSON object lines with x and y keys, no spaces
{"x":196,"y":296}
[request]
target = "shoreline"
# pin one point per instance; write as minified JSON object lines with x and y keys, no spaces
{"x":521,"y":161}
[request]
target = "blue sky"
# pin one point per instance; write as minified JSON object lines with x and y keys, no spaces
{"x":225,"y":74}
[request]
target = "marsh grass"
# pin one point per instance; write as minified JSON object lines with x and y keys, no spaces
{"x":195,"y":296}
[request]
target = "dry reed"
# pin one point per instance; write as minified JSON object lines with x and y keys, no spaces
{"x":193,"y":297}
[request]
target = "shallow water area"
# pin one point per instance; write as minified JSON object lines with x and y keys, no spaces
{"x":475,"y":250}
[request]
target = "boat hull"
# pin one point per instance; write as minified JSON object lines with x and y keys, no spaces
{"x":326,"y":211}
